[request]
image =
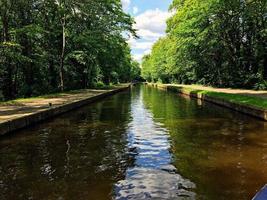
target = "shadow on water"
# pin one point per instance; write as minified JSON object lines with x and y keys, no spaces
{"x":143,"y":144}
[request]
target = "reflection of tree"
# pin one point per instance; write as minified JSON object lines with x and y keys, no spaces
{"x":152,"y":175}
{"x":67,"y":157}
{"x":219,"y":150}
{"x":76,"y":156}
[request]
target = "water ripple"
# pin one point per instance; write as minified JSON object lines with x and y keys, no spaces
{"x":152,"y":176}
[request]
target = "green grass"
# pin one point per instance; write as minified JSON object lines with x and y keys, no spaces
{"x":234,"y":98}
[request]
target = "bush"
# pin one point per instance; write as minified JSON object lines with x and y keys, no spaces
{"x":100,"y":84}
{"x":262,"y":85}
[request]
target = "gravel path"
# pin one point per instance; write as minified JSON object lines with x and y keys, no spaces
{"x":23,"y":107}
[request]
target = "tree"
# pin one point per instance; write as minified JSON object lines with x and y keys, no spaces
{"x":214,"y":42}
{"x":54,"y":45}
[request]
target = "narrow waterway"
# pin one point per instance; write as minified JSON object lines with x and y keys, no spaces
{"x":153,"y":174}
{"x":138,"y":144}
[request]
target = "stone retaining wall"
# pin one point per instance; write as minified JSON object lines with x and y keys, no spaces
{"x":22,"y":122}
{"x":246,"y":109}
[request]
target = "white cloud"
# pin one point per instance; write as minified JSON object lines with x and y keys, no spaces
{"x":149,"y":35}
{"x":135,"y":10}
{"x":135,"y":44}
{"x":125,"y":4}
{"x":148,"y":51}
{"x":138,"y":57}
{"x":153,"y":21}
{"x":143,"y":45}
{"x":150,"y":25}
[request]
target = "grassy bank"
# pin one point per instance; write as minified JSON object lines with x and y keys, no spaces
{"x":251,"y":101}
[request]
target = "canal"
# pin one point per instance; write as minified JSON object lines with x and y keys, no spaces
{"x":139,"y":144}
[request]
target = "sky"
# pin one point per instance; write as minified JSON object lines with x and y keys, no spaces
{"x":150,"y":17}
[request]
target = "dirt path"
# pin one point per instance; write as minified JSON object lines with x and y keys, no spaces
{"x":23,"y":107}
{"x":254,"y":93}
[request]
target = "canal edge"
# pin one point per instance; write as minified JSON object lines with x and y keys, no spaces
{"x":9,"y":126}
{"x":245,"y":109}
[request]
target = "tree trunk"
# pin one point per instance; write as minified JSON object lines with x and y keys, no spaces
{"x":8,"y":83}
{"x":5,"y":29}
{"x":265,"y":69}
{"x":52,"y":77}
{"x":61,"y":73}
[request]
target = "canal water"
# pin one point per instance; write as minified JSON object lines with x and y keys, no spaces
{"x":139,"y":144}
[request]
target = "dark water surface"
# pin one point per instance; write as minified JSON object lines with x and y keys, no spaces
{"x":139,"y":144}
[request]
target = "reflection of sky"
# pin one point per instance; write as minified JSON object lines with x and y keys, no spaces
{"x":150,"y":17}
{"x":148,"y":139}
{"x":153,"y":175}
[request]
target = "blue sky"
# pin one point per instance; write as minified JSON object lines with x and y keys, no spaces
{"x":150,"y":17}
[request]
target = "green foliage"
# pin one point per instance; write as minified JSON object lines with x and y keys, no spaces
{"x":48,"y":45}
{"x":99,"y":84}
{"x":262,"y":85}
{"x":135,"y":71}
{"x":214,"y":42}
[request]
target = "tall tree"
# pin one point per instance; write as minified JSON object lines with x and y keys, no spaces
{"x":55,"y":45}
{"x":213,"y":42}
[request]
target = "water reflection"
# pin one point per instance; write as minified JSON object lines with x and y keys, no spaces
{"x":143,"y":144}
{"x":221,"y":151}
{"x":76,"y":156}
{"x":152,"y":176}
